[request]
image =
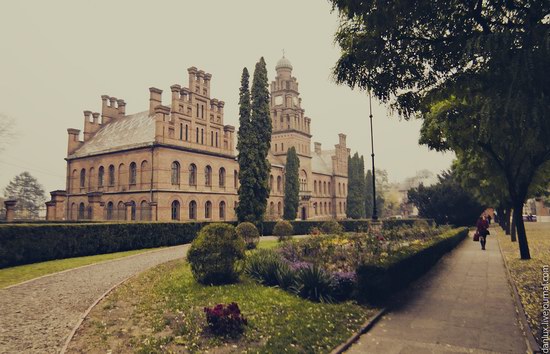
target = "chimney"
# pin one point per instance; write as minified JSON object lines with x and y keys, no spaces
{"x":184,"y":94}
{"x":175,"y":97}
{"x":342,"y":140}
{"x":108,"y":109}
{"x":155,"y":99}
{"x":192,"y":78}
{"x":220,"y":106}
{"x":121,"y":105}
{"x":74,"y":143}
{"x":88,"y":125}
{"x":317,"y":147}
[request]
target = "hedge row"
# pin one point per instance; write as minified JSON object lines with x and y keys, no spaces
{"x":27,"y":243}
{"x":375,"y":283}
{"x":38,"y":242}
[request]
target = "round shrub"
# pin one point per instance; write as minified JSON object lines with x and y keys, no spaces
{"x":332,"y":227}
{"x":214,"y":254}
{"x":283,"y":229}
{"x":249,"y":233}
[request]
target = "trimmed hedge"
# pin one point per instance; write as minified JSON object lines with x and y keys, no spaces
{"x":28,"y":243}
{"x":376,"y":283}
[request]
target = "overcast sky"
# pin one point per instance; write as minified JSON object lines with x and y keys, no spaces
{"x":58,"y":57}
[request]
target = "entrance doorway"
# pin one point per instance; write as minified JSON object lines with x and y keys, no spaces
{"x":304,"y":216}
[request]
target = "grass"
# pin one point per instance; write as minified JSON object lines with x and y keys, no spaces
{"x":162,"y":311}
{"x":15,"y":275}
{"x":527,"y":274}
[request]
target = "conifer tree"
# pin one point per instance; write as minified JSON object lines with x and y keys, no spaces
{"x":368,"y":195}
{"x":261,"y":130}
{"x":246,"y":146}
{"x":292,"y":185}
{"x":29,"y":194}
{"x":356,"y":187}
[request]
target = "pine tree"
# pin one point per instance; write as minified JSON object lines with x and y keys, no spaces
{"x":356,"y":187}
{"x":29,"y":194}
{"x":246,"y":146}
{"x":261,"y":129}
{"x":292,"y":185}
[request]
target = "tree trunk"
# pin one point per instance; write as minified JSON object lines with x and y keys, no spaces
{"x":513,"y":229}
{"x":507,"y":221}
{"x":522,"y":236}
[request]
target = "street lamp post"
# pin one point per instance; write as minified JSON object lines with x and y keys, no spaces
{"x":374,"y":212}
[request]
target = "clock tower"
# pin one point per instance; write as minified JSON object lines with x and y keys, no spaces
{"x":290,"y":126}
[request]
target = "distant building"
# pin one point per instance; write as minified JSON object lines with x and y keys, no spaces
{"x":178,"y":162}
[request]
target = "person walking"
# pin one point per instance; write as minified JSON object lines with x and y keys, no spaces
{"x":482,"y":226}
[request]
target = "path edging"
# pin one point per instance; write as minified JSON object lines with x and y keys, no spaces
{"x":532,"y":345}
{"x":355,"y":337}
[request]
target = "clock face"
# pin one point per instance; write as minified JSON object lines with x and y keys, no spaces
{"x":278,"y":100}
{"x":295,"y":99}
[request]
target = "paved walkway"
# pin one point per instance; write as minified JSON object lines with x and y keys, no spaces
{"x":38,"y":316}
{"x":463,"y":305}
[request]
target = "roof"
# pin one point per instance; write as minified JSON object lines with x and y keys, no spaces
{"x":131,"y":131}
{"x":283,"y":63}
{"x":322,"y":163}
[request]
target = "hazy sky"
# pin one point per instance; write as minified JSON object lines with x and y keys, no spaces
{"x":58,"y":57}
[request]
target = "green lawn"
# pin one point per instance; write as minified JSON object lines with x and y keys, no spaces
{"x":14,"y":275}
{"x":527,"y":274}
{"x":161,"y":310}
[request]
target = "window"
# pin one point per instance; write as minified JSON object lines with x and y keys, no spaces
{"x":133,"y":210}
{"x":197,"y":135}
{"x":217,"y":139}
{"x":235,"y":179}
{"x":222,"y":177}
{"x":211,"y":138}
{"x":121,"y":211}
{"x":111,"y":175}
{"x":145,"y":179}
{"x":275,"y":147}
{"x":208,"y":176}
{"x":303,"y":180}
{"x":91,"y":179}
{"x":339,"y":189}
{"x":271,"y":209}
{"x":144,"y":211}
{"x":208,"y":210}
{"x":202,"y":136}
{"x":192,"y":175}
{"x":110,"y":211}
{"x":329,"y":190}
{"x":133,"y":173}
{"x":176,"y":210}
{"x":81,"y":209}
{"x":282,"y":147}
{"x":279,"y":209}
{"x":279,"y":181}
{"x":82,"y":178}
{"x":222,"y":210}
{"x":73,"y":183}
{"x":193,"y":210}
{"x":197,"y":110}
{"x":181,"y":131}
{"x":340,"y":207}
{"x":314,"y":186}
{"x":120,"y":172}
{"x":315,"y":208}
{"x":175,"y":173}
{"x":186,"y":132}
{"x":271,"y":183}
{"x":100,"y":174}
{"x":324,"y":187}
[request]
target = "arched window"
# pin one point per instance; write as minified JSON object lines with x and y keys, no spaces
{"x":193,"y":210}
{"x":121,"y":211}
{"x":83,"y":178}
{"x":271,"y":209}
{"x":324,"y":187}
{"x":144,"y":211}
{"x":175,"y":179}
{"x":340,"y":207}
{"x":217,"y":144}
{"x":326,"y":210}
{"x":211,"y":138}
{"x":303,"y":180}
{"x":315,"y":208}
{"x":271,"y":183}
{"x":186,"y":132}
{"x":91,"y":179}
{"x":133,"y":210}
{"x":202,"y":136}
{"x":279,"y":181}
{"x":344,"y":190}
{"x":208,"y":176}
{"x":235,"y":179}
{"x":176,"y":210}
{"x":133,"y":173}
{"x":111,"y":175}
{"x":74,"y":183}
{"x":314,"y":186}
{"x":100,"y":175}
{"x":279,"y":209}
{"x":222,"y":177}
{"x":74,"y":214}
{"x":81,"y":210}
{"x":222,"y":210}
{"x":208,"y":210}
{"x":329,"y":190}
{"x":330,"y":207}
{"x":339,"y":189}
{"x":192,"y":175}
{"x":144,"y":173}
{"x":120,"y":173}
{"x":197,"y":135}
{"x":110,"y":211}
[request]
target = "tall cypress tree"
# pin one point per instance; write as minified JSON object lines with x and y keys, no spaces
{"x":292,"y":185}
{"x":247,"y":155}
{"x":261,"y":130}
{"x":356,"y":187}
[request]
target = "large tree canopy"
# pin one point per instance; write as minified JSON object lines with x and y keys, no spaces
{"x":476,"y":71}
{"x":29,"y":194}
{"x":292,"y":185}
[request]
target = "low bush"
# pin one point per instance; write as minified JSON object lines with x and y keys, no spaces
{"x":249,"y":233}
{"x":332,"y":227}
{"x":265,"y":266}
{"x":376,"y":281}
{"x":314,"y":283}
{"x":283,"y":229}
{"x":225,"y":320}
{"x":214,"y":254}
